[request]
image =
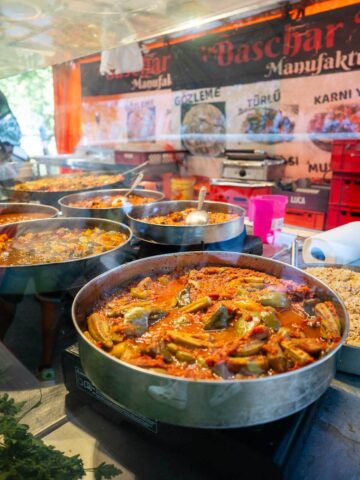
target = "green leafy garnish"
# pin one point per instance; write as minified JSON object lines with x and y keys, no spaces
{"x":105,"y":470}
{"x":23,"y":457}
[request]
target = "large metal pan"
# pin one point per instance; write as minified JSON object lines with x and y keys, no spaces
{"x":51,"y":277}
{"x":51,"y":198}
{"x":197,"y":403}
{"x":9,"y":207}
{"x":118,"y":214}
{"x":185,"y":235}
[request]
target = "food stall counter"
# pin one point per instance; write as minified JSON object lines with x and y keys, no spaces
{"x":78,"y":419}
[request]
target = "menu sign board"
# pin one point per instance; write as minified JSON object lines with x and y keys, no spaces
{"x":288,"y":87}
{"x":278,"y":49}
{"x":155,"y":75}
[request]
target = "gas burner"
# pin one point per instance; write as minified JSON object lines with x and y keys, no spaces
{"x":243,"y":243}
{"x":262,"y":452}
{"x":252,"y":165}
{"x":268,"y":451}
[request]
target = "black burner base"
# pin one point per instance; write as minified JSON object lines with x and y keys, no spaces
{"x":266,"y":451}
{"x":242,"y":244}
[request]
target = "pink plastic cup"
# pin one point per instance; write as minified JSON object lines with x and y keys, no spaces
{"x":267,"y":213}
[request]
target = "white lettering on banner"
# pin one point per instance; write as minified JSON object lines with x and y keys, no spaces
{"x":323,"y":62}
{"x":139,"y":105}
{"x":297,"y":200}
{"x":154,"y":83}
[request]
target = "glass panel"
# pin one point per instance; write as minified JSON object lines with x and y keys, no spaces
{"x":41,"y":33}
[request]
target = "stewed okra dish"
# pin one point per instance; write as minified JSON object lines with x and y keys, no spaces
{"x":59,"y":245}
{"x":215,"y":323}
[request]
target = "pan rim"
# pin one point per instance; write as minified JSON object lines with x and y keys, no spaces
{"x":67,"y":192}
{"x":106,"y":192}
{"x":40,"y":206}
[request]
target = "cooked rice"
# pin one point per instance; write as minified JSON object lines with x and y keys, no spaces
{"x":346,"y":283}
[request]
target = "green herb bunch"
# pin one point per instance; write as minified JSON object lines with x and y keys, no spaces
{"x":24,"y":457}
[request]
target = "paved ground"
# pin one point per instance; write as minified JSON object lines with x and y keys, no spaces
{"x":24,"y":337}
{"x":331,"y":451}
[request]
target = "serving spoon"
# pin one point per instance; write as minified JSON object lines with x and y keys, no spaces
{"x":198,"y":216}
{"x":123,"y":199}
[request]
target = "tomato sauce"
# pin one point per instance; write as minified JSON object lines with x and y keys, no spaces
{"x":214,"y":323}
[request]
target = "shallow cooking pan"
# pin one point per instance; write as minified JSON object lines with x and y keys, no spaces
{"x":202,"y":403}
{"x":121,"y":179}
{"x":50,"y":277}
{"x":47,"y":198}
{"x":185,"y":235}
{"x":111,"y":213}
{"x":9,"y":207}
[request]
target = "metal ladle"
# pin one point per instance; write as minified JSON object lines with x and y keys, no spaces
{"x":198,"y":216}
{"x":119,"y":201}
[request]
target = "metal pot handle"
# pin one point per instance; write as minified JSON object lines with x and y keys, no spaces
{"x":202,"y":195}
{"x":135,"y":169}
{"x":294,"y":253}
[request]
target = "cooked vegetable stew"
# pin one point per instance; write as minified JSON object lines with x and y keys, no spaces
{"x":215,"y":323}
{"x":68,"y":182}
{"x":178,"y":218}
{"x":110,"y":201}
{"x":52,"y":246}
{"x":21,"y":217}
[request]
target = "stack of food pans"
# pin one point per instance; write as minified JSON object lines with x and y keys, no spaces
{"x":56,"y":273}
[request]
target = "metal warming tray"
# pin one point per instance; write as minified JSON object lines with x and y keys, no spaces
{"x":253,"y":169}
{"x":349,"y":356}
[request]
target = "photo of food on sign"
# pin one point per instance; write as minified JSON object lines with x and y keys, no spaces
{"x":141,"y":123}
{"x":268,"y":125}
{"x":203,"y":128}
{"x":337,"y":122}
